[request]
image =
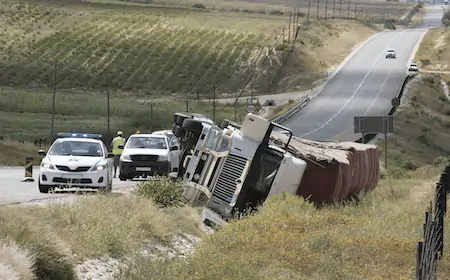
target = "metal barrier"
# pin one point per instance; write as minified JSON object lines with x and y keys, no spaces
{"x":285,"y":116}
{"x":431,"y":249}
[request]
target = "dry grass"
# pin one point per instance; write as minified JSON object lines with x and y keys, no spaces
{"x":421,"y":126}
{"x":434,"y":51}
{"x":14,"y":153}
{"x":56,"y":235}
{"x":321,"y":45}
{"x":374,"y":238}
{"x":417,"y":18}
{"x":15,"y":262}
{"x":290,"y":239}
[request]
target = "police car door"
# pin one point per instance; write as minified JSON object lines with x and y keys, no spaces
{"x":174,"y":155}
{"x":109,"y":163}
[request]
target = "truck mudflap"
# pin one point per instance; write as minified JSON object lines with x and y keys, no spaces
{"x":211,"y":218}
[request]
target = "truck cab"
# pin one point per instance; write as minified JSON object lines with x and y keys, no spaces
{"x":235,"y":168}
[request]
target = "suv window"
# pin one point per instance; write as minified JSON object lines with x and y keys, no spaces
{"x":146,"y":142}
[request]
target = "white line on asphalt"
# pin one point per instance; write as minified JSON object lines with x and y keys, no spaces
{"x":357,"y":89}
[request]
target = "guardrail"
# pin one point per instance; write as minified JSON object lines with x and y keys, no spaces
{"x":430,"y":250}
{"x":370,"y":137}
{"x":285,"y":116}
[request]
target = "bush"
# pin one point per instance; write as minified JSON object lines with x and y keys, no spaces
{"x":410,"y":165}
{"x":163,"y":191}
{"x":446,"y":18}
{"x":199,"y":6}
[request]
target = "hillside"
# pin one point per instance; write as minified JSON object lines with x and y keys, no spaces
{"x":434,"y":52}
{"x":152,"y":60}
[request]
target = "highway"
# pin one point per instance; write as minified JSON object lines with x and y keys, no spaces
{"x":365,"y":85}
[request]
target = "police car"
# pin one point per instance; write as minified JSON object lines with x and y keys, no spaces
{"x":144,"y":155}
{"x":76,"y":160}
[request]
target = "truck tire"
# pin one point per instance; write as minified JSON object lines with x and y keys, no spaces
{"x":179,"y":118}
{"x":179,"y":131}
{"x":194,"y":126}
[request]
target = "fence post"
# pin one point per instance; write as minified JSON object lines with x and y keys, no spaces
{"x":419,"y":260}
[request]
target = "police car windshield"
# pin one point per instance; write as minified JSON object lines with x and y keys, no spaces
{"x":146,"y":142}
{"x":76,"y":148}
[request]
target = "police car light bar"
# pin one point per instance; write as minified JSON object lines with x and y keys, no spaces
{"x":80,"y":135}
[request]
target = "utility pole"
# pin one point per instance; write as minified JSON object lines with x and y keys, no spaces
{"x":55,"y":70}
{"x":317,"y":12}
{"x":151,"y":117}
{"x":214,"y":102}
{"x":348,"y":10}
{"x":340,"y":8}
{"x":334,"y":7}
{"x":309,"y":7}
{"x":289,"y":28}
{"x":326,"y":9}
{"x":108,"y":111}
{"x":356,"y":10}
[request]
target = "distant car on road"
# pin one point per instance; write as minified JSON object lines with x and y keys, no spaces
{"x":149,"y":154}
{"x":413,"y":67}
{"x":76,"y":160}
{"x":390,"y":53}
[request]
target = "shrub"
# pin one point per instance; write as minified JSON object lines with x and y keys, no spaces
{"x":163,"y":191}
{"x":446,"y":18}
{"x":199,"y":6}
{"x":410,"y":165}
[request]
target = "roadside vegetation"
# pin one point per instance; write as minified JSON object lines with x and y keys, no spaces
{"x":151,"y":60}
{"x":434,"y":51}
{"x":47,"y":241}
{"x":373,"y":238}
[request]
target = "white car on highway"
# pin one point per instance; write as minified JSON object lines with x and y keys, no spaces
{"x":390,"y":53}
{"x":413,"y":67}
{"x":76,"y":160}
{"x":145,"y":155}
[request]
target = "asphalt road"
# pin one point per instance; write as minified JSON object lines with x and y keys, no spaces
{"x":12,"y":190}
{"x":365,"y":85}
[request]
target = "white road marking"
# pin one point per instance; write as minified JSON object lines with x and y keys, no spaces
{"x":357,"y":89}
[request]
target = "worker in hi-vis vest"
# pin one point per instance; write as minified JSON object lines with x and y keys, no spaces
{"x":118,"y":140}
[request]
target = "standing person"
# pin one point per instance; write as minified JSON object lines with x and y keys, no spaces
{"x":118,"y":140}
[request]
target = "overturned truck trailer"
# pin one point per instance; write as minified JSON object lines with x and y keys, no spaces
{"x":335,"y":171}
{"x":231,"y":168}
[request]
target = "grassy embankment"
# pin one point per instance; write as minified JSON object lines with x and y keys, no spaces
{"x":287,"y":239}
{"x":374,"y":239}
{"x":144,"y":55}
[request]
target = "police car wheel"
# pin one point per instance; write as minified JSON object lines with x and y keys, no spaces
{"x":193,"y":125}
{"x":43,"y":189}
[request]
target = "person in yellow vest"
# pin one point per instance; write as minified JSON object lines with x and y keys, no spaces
{"x":118,"y":140}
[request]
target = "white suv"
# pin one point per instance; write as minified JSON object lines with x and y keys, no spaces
{"x":390,"y":53}
{"x":149,"y":154}
{"x":76,"y":160}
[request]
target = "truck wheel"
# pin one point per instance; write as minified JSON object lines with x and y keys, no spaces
{"x":194,"y":126}
{"x":179,"y":132}
{"x":179,"y":118}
